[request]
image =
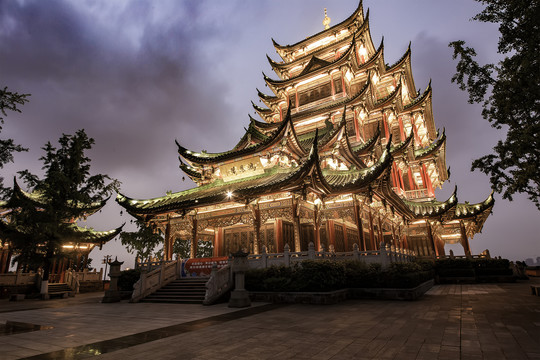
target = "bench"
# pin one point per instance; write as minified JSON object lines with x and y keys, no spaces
{"x":535,"y":290}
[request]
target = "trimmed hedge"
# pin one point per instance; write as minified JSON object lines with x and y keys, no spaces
{"x":327,"y":275}
{"x":128,"y":278}
{"x":472,"y":268}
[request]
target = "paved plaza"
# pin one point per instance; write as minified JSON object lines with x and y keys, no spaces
{"x":491,"y":321}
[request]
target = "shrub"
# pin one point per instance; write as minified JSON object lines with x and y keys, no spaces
{"x":274,"y":278}
{"x":360,"y":275}
{"x":327,"y":275}
{"x":492,"y":267}
{"x":471,"y":268}
{"x":319,"y":275}
{"x":128,"y":278}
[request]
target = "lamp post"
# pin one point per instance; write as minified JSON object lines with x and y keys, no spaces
{"x":105,"y":261}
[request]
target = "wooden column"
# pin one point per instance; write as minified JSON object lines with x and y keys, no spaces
{"x":296,"y":224}
{"x":330,"y":231}
{"x":77,"y":266}
{"x":381,"y":235}
{"x":85,"y":262}
{"x":358,"y":220}
{"x":256,"y":229}
{"x":371,"y":231}
{"x":3,"y":261}
{"x":217,"y":242}
{"x":317,"y":225}
{"x":278,"y":232}
{"x":440,"y":246}
{"x":168,"y":244}
{"x":405,"y":242}
{"x":194,"y":238}
{"x":430,"y":237}
{"x":464,"y":239}
{"x":394,"y":235}
{"x":62,"y":271}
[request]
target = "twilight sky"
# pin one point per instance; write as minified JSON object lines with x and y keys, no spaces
{"x":138,"y":74}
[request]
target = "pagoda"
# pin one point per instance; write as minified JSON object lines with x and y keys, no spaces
{"x":345,"y":152}
{"x":76,"y":244}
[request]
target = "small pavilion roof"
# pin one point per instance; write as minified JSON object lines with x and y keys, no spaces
{"x":342,"y":25}
{"x":283,"y":66}
{"x":212,"y":158}
{"x":388,"y":98}
{"x":466,"y":210}
{"x":419,"y":100}
{"x":368,"y":145}
{"x":402,"y":146}
{"x":314,"y":64}
{"x":267,"y":99}
{"x":264,"y":126}
{"x":89,"y":235}
{"x":37,"y":198}
{"x":401,"y":60}
{"x":189,"y":170}
{"x":434,"y":208}
{"x":433,"y":147}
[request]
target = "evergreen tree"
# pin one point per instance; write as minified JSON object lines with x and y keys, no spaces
{"x":39,"y":224}
{"x":141,"y":242}
{"x":509,"y":92}
{"x":9,"y":101}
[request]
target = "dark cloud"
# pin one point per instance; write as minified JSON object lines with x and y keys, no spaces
{"x":139,"y":74}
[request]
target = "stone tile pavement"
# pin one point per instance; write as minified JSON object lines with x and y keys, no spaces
{"x":491,"y":321}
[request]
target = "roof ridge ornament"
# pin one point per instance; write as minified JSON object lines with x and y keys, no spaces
{"x":326,"y":20}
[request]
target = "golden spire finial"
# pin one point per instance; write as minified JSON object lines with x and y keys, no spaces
{"x":326,"y":21}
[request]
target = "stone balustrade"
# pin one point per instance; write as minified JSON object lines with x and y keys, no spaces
{"x":219,"y":283}
{"x":20,"y":278}
{"x":155,"y":279}
{"x":385,"y":256}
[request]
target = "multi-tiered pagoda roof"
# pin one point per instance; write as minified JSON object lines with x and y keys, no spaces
{"x":339,"y":127}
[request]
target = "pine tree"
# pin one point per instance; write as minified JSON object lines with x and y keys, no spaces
{"x":9,"y":101}
{"x":41,"y":222}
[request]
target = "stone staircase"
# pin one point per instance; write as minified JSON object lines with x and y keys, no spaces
{"x":59,"y":289}
{"x":182,"y":291}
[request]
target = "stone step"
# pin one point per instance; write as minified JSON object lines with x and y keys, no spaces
{"x":173,"y":301}
{"x":174,"y":291}
{"x":185,"y":291}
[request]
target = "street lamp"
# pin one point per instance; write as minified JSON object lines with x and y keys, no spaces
{"x":105,"y":261}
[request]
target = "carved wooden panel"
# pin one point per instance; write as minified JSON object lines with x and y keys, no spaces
{"x":283,"y":213}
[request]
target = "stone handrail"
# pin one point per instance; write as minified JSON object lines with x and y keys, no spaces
{"x":155,"y":279}
{"x":19,"y":278}
{"x":72,"y":279}
{"x":385,"y":256}
{"x":219,"y":283}
{"x":86,"y":275}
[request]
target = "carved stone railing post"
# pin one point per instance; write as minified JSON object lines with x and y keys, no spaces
{"x":218,"y":284}
{"x":264,"y":257}
{"x":162,"y":272}
{"x":287,"y":255}
{"x":239,"y":296}
{"x":383,"y":255}
{"x":311,"y":250}
{"x":356,"y":253}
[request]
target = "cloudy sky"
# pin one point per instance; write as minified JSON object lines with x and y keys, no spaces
{"x":138,"y":74}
